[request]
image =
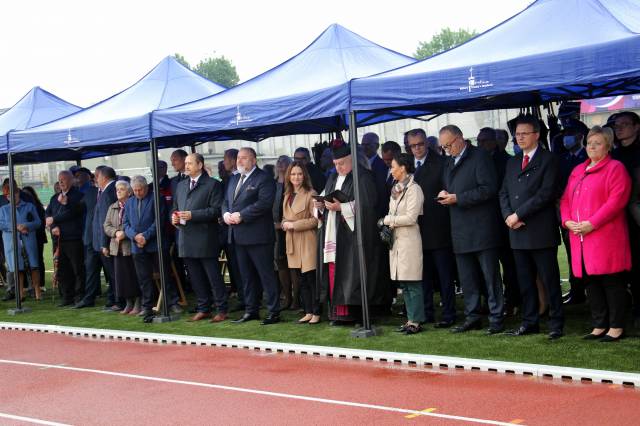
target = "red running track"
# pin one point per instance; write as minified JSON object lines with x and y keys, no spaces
{"x":70,"y":380}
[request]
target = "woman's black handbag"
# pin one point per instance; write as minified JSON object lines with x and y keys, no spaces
{"x":386,"y":233}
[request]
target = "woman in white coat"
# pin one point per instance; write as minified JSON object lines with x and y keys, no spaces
{"x":405,"y":256}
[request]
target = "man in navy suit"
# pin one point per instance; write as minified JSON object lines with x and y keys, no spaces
{"x":92,"y":263}
{"x":247,"y":209}
{"x":139,"y":225}
{"x":196,"y":209}
{"x":370,"y":144}
{"x":105,"y":178}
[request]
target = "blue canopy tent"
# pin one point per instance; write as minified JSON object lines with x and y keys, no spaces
{"x":307,"y":94}
{"x":552,"y":50}
{"x":35,"y":108}
{"x":116,"y":125}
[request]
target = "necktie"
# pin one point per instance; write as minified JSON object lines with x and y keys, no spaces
{"x":235,"y":194}
{"x":418,"y":164}
{"x":193,"y":184}
{"x":139,"y":208}
{"x":99,"y":193}
{"x":525,"y":162}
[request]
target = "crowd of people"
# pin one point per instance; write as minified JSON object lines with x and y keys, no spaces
{"x":444,"y":213}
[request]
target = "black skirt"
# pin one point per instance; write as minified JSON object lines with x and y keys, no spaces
{"x":125,"y":277}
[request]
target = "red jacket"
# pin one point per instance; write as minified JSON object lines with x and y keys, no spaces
{"x":598,"y":195}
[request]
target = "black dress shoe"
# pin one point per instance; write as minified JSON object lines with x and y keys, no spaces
{"x":607,"y":339}
{"x":495,"y":329}
{"x":81,"y":305}
{"x":555,"y":334}
{"x":271,"y":319}
{"x":444,"y":324}
{"x":592,"y":336}
{"x":64,"y":304}
{"x":467,"y":326}
{"x":523,"y":331}
{"x":8,"y":296}
{"x":245,"y":318}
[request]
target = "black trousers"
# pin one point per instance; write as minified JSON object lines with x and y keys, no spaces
{"x":41,"y":263}
{"x":109,"y":273}
{"x":608,"y":299}
{"x":309,"y":292}
{"x":472,"y":267}
{"x":543,"y":263}
{"x":92,"y":265}
{"x":71,"y":270}
{"x":509,"y":276}
{"x":256,"y":266}
{"x":207,"y":283}
{"x":439,"y":264}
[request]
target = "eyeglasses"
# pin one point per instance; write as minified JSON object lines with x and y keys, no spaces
{"x":415,"y":145}
{"x":524,"y":134}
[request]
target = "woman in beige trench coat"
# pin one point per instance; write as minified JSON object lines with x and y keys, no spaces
{"x":405,"y":256}
{"x":301,"y":226}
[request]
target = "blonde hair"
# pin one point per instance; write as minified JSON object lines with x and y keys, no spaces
{"x":605,"y":132}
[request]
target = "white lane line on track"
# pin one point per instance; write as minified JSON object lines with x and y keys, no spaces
{"x":257,"y":392}
{"x":31,"y":420}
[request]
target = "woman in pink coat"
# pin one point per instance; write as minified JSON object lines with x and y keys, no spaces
{"x":593,"y":210}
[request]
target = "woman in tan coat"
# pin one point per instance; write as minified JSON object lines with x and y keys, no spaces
{"x":301,"y":226}
{"x":126,"y":283}
{"x":405,"y":256}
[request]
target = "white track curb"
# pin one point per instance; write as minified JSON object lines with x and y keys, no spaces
{"x":418,"y":360}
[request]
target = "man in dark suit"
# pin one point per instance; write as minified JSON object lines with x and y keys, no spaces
{"x":92,"y":263}
{"x":437,"y":265}
{"x":196,"y":209}
{"x":177,"y":162}
{"x":139,"y":223}
{"x":318,"y":179}
{"x":527,"y":200}
{"x":389,"y":150}
{"x":370,"y":144}
{"x":64,"y":216}
{"x":488,"y":140}
{"x":105,"y":178}
{"x":247,"y":209}
{"x":470,"y":192}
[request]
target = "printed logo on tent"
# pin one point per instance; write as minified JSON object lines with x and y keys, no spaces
{"x":70,"y":139}
{"x":474,"y":83}
{"x":239,"y":118}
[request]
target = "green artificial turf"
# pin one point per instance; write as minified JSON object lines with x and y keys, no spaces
{"x":571,"y":350}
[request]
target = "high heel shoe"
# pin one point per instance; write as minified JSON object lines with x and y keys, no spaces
{"x":305,"y":319}
{"x":606,"y":338}
{"x":592,"y":336}
{"x":315,"y":319}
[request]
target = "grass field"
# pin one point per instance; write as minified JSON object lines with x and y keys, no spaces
{"x":568,"y":351}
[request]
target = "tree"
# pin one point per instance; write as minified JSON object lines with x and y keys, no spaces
{"x":182,"y":60}
{"x":218,"y":69}
{"x":445,"y":40}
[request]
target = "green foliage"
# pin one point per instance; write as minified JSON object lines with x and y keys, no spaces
{"x":182,"y":60}
{"x":444,"y":40}
{"x":218,"y":69}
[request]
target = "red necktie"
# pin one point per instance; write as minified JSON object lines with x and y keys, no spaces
{"x":525,"y":162}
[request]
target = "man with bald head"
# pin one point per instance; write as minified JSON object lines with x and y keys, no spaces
{"x":64,"y":217}
{"x":248,"y":210}
{"x":196,"y":209}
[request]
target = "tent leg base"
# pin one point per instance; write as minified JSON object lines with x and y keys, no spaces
{"x":363,"y":332}
{"x":161,"y":319}
{"x":18,"y":311}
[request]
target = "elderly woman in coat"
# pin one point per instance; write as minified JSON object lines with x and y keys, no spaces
{"x":405,"y":255}
{"x":300,"y":226}
{"x":593,"y":210}
{"x":126,"y":283}
{"x":27,"y":223}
